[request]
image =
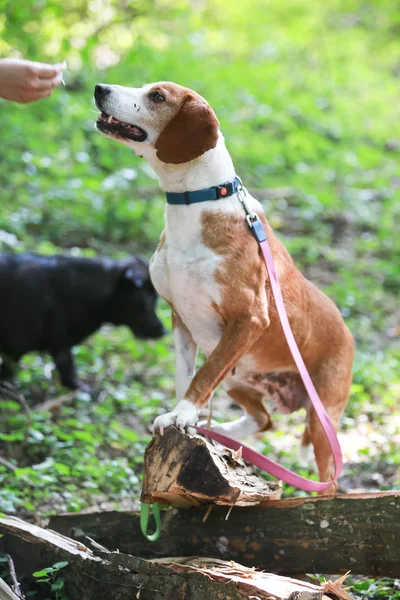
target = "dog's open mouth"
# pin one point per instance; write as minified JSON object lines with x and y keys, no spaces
{"x":108,"y":124}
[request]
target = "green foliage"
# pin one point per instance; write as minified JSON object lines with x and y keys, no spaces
{"x":366,"y":588}
{"x":369,"y":589}
{"x":50,"y":575}
{"x":307,"y":97}
{"x":92,"y":450}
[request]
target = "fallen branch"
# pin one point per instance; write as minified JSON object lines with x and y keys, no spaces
{"x":360,"y":532}
{"x":118,"y":576}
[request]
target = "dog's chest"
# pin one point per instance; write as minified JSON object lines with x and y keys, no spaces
{"x":184,"y":272}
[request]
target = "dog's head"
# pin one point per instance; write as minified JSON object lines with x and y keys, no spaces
{"x":133,"y":300}
{"x":175,"y":121}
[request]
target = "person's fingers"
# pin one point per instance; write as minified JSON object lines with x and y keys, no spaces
{"x":45,"y":84}
{"x":29,"y":97}
{"x":47,"y":71}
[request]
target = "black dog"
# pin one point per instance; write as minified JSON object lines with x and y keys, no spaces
{"x":53,"y":303}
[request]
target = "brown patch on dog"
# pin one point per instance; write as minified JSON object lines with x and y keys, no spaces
{"x":252,"y":402}
{"x":285,"y":389}
{"x":321,"y":335}
{"x":190,"y":133}
{"x":316,"y":322}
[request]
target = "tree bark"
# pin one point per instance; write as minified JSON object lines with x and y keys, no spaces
{"x":360,"y":532}
{"x":118,"y":576}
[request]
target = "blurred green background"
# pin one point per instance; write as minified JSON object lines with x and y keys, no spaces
{"x":307,"y":94}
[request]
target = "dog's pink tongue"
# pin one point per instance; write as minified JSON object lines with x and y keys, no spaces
{"x":132,"y":128}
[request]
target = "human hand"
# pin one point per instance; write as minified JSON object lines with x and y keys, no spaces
{"x":25,"y":81}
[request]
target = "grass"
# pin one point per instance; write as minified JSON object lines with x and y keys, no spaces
{"x":307,"y":97}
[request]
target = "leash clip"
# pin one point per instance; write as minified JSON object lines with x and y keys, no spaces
{"x":253,"y":220}
{"x":256,"y":227}
{"x":250,"y":215}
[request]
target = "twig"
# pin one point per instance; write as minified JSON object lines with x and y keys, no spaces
{"x":207,"y":514}
{"x":55,"y":403}
{"x":228,"y":513}
{"x":7,"y":464}
{"x":16,"y":587}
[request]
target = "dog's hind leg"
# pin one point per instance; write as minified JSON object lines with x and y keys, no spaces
{"x":335,"y":405}
{"x":256,"y":419}
{"x":305,"y":453}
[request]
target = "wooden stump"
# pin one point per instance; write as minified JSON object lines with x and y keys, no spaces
{"x":184,"y":470}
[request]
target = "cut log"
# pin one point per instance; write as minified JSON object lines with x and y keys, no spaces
{"x":183,"y":470}
{"x":360,"y":532}
{"x":117,"y":576}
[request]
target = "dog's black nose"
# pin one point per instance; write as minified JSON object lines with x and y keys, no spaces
{"x":101,"y":90}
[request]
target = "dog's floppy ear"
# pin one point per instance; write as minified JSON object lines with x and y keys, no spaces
{"x":135,"y":272}
{"x":189,"y":134}
{"x":137,"y":278}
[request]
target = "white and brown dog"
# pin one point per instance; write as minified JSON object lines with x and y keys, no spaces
{"x":209,"y":268}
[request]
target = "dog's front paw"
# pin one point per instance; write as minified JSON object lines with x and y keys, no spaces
{"x":183,"y":416}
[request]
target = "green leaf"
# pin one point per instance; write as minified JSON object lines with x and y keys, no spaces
{"x":57,"y":585}
{"x":60,"y":565}
{"x":43,"y":572}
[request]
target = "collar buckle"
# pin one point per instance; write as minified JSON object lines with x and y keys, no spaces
{"x":224,"y":190}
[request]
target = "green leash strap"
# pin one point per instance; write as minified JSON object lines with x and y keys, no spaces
{"x":144,"y":521}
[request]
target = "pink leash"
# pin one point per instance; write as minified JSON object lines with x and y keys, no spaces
{"x":257,"y":459}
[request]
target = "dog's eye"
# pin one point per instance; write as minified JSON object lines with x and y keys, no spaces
{"x":156,"y":97}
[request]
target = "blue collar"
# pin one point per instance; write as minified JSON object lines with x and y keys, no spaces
{"x":213,"y":193}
